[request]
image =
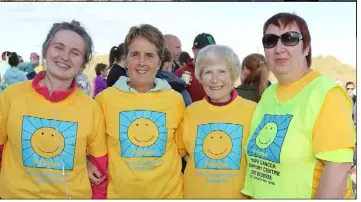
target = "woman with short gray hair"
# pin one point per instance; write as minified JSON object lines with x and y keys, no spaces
{"x":214,"y":129}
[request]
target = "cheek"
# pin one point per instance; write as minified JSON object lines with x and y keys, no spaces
{"x":49,"y":54}
{"x":301,"y":53}
{"x":268,"y":54}
{"x":244,"y":73}
{"x":227,"y":81}
{"x":205,"y":79}
{"x":131,"y":64}
{"x":154,"y":65}
{"x":78,"y":62}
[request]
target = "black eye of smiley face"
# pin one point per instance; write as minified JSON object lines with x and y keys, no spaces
{"x":138,"y":124}
{"x":52,"y":135}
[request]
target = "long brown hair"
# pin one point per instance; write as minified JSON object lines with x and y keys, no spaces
{"x":256,"y":64}
{"x":116,"y":54}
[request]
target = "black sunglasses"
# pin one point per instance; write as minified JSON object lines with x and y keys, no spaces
{"x":287,"y":39}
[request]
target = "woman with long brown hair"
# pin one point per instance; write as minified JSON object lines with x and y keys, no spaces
{"x":254,"y":77}
{"x":116,"y":64}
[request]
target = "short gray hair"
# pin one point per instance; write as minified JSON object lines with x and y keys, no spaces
{"x":75,"y":27}
{"x":218,"y":54}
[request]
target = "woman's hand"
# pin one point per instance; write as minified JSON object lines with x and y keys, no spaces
{"x":95,"y":177}
{"x":190,"y":81}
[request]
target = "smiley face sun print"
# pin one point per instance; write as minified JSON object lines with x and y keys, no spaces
{"x":268,"y":138}
{"x":48,"y":143}
{"x":143,"y":133}
{"x":218,"y":146}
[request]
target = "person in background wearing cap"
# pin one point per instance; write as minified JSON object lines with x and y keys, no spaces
{"x":174,"y":45}
{"x":28,"y":67}
{"x":195,"y":89}
{"x":4,"y":65}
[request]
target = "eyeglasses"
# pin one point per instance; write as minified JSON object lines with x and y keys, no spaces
{"x":287,"y":39}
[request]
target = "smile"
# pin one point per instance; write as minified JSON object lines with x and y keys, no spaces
{"x":216,"y":88}
{"x":264,"y":142}
{"x":144,"y":141}
{"x":60,"y":64}
{"x":281,"y":60}
{"x":142,"y":71}
{"x":47,"y":152}
{"x":218,"y":153}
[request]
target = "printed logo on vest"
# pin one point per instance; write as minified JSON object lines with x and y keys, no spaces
{"x":267,"y":140}
{"x":142,"y":133}
{"x":48,"y":143}
{"x":218,"y":146}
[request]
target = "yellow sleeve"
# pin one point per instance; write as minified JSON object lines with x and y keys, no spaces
{"x":4,"y":111}
{"x":337,"y":156}
{"x":97,"y":146}
{"x":178,"y":137}
{"x":334,"y":133}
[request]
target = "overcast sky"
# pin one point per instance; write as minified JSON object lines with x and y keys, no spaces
{"x":24,"y":26}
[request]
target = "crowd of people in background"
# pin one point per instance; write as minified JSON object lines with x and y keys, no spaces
{"x":158,"y":123}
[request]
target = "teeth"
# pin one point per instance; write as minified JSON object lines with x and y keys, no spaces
{"x":216,"y":88}
{"x":141,"y":71}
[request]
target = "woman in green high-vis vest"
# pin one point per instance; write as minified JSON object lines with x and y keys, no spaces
{"x":301,"y":136}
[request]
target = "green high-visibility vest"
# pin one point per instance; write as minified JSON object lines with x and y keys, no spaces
{"x":280,"y":157}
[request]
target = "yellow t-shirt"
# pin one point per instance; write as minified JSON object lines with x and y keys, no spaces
{"x":43,"y":139}
{"x":143,"y":157}
{"x":334,"y":144}
{"x":214,"y":138}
